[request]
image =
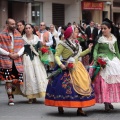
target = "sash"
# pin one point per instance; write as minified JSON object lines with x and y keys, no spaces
{"x":31,"y":46}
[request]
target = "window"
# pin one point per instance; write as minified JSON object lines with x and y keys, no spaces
{"x":37,"y":13}
{"x":58,"y":11}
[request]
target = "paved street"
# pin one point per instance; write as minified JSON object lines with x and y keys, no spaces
{"x":24,"y":111}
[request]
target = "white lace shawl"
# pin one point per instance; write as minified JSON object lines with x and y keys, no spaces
{"x":103,"y":39}
{"x":31,"y":43}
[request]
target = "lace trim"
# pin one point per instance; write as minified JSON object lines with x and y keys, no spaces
{"x":31,"y":44}
{"x":111,"y":79}
{"x":103,"y":39}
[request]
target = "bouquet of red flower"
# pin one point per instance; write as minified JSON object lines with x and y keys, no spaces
{"x":43,"y":54}
{"x":44,"y":50}
{"x":70,"y":67}
{"x":81,"y":38}
{"x":70,"y":63}
{"x":101,"y":62}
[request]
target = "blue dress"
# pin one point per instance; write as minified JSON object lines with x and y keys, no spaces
{"x":61,"y":90}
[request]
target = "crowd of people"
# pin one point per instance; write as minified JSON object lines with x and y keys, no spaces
{"x":73,"y":66}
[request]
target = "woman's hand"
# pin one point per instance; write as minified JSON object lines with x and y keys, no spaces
{"x":63,"y":67}
{"x":43,"y":43}
{"x":90,"y":46}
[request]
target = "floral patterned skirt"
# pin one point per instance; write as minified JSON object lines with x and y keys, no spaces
{"x":60,"y":93}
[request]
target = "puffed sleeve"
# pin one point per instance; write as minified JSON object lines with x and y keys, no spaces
{"x":117,"y":50}
{"x":59,"y":51}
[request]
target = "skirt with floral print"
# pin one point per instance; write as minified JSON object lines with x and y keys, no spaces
{"x":60,"y":93}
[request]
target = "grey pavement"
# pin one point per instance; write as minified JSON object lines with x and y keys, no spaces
{"x":24,"y":111}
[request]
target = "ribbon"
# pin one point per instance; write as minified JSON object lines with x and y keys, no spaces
{"x":97,"y":69}
{"x":55,"y":73}
{"x":53,"y":50}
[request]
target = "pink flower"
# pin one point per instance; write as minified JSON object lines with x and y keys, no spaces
{"x":76,"y":41}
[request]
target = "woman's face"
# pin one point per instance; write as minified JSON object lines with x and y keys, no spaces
{"x":76,"y":30}
{"x":51,"y":28}
{"x":28,"y":29}
{"x":105,"y":30}
{"x":84,"y":26}
{"x":20,"y":26}
{"x":75,"y":33}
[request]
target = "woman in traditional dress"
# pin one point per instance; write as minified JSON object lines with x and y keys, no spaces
{"x":35,"y":77}
{"x":70,"y":88}
{"x":80,"y":36}
{"x":107,"y":82}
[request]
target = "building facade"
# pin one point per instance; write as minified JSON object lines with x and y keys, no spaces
{"x":116,"y":11}
{"x":59,"y":12}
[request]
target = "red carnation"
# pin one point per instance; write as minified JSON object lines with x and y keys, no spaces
{"x":101,"y":62}
{"x":70,"y":65}
{"x":44,"y":50}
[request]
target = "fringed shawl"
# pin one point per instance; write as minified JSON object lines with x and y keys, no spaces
{"x":5,"y":43}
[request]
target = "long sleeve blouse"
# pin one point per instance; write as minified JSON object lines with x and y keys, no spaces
{"x":106,"y":49}
{"x":65,"y":52}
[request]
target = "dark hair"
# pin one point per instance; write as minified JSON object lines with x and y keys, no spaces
{"x":69,"y":23}
{"x":47,"y":28}
{"x":64,"y":27}
{"x":21,"y":21}
{"x":84,"y":24}
{"x":111,"y":25}
{"x":107,"y":24}
{"x":74,"y":22}
{"x":34,"y":32}
{"x":91,"y":21}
